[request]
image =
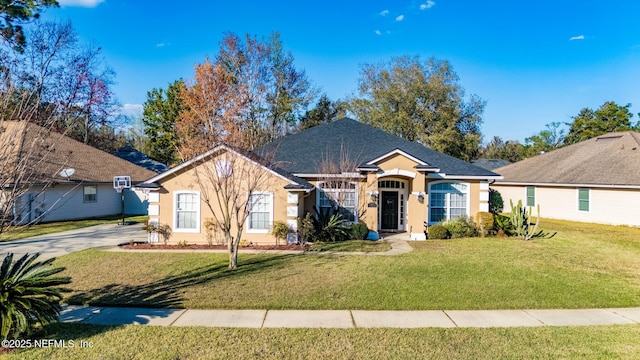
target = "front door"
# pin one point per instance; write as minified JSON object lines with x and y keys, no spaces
{"x":389,"y":207}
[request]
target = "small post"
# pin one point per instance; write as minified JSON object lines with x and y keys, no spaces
{"x":122,"y":198}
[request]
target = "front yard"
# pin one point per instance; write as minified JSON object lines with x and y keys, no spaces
{"x":583,"y":266}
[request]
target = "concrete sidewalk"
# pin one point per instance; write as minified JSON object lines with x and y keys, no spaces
{"x":347,"y":318}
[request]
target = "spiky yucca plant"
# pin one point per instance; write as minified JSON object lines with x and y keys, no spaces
{"x":29,"y":294}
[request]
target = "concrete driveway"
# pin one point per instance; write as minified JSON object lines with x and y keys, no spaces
{"x":62,"y":243}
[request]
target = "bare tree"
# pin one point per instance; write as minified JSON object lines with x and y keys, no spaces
{"x":341,"y":185}
{"x":28,"y":157}
{"x":230,"y":184}
{"x":35,"y":103}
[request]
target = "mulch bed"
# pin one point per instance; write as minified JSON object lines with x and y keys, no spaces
{"x":148,"y":246}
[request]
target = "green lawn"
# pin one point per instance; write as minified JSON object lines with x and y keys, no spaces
{"x":583,"y":266}
{"x":150,"y":342}
{"x":22,"y":232}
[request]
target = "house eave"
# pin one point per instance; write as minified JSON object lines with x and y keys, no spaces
{"x":462,"y":177}
{"x":568,"y":185}
{"x":343,"y":175}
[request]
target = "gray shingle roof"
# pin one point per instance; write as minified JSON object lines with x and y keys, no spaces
{"x":611,"y":159}
{"x":490,"y":164}
{"x":134,"y":156}
{"x":302,"y":153}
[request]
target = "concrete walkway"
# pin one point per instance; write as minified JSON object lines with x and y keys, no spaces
{"x":348,"y":318}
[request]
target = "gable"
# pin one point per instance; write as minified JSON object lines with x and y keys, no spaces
{"x":220,"y":158}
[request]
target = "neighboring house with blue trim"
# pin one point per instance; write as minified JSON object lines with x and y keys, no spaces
{"x":384,"y":181}
{"x":596,"y":180}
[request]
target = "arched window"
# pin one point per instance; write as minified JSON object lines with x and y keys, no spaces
{"x":448,"y":200}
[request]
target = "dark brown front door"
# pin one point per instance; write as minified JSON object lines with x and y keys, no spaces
{"x":389,"y":207}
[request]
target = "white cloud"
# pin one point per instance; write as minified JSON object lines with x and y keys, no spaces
{"x":80,"y":3}
{"x":162,"y":44}
{"x":378,"y":32}
{"x":579,"y":37}
{"x":384,"y":12}
{"x":428,"y":5}
{"x":399,"y":17}
{"x":132,"y":110}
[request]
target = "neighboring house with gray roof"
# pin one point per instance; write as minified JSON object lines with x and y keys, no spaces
{"x":139,"y":158}
{"x":490,"y":164}
{"x":374,"y":177}
{"x":596,"y":180}
{"x":83,"y":190}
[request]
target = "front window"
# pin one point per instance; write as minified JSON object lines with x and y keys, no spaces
{"x":338,"y":195}
{"x":90,"y":193}
{"x":447,"y":201}
{"x":187,"y":215}
{"x":260,"y":212}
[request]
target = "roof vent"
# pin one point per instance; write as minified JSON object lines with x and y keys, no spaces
{"x":608,"y":137}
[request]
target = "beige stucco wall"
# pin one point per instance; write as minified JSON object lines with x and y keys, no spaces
{"x":606,"y":205}
{"x":186,"y":180}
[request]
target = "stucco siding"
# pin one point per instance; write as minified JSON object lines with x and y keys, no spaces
{"x":186,"y":181}
{"x":606,"y":206}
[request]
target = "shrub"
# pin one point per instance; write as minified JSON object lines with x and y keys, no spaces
{"x":306,"y":229}
{"x":280,"y":231}
{"x":29,"y":294}
{"x":438,"y":231}
{"x":485,"y":223}
{"x":212,"y":231}
{"x":461,"y":227}
{"x":359,"y":231}
{"x":496,"y":204}
{"x":502,"y":224}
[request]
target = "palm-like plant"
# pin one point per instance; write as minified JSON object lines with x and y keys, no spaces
{"x":29,"y":294}
{"x":330,"y":225}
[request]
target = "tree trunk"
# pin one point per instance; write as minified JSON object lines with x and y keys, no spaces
{"x":232,"y":245}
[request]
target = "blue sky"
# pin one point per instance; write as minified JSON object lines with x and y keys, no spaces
{"x":534,"y":62}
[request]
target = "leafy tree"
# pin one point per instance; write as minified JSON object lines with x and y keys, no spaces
{"x":546,"y":140}
{"x":213,"y":112}
{"x":15,"y":13}
{"x":420,"y":101}
{"x":324,"y":112}
{"x":161,"y":112}
{"x":610,"y":117}
{"x":29,"y":294}
{"x":275,"y":90}
{"x":509,"y":150}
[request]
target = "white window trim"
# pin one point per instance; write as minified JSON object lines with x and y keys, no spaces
{"x":431,"y":191}
{"x":355,"y":191}
{"x":175,"y":212}
{"x":260,"y":231}
{"x":578,"y":200}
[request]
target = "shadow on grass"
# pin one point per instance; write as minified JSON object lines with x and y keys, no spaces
{"x":166,"y":292}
